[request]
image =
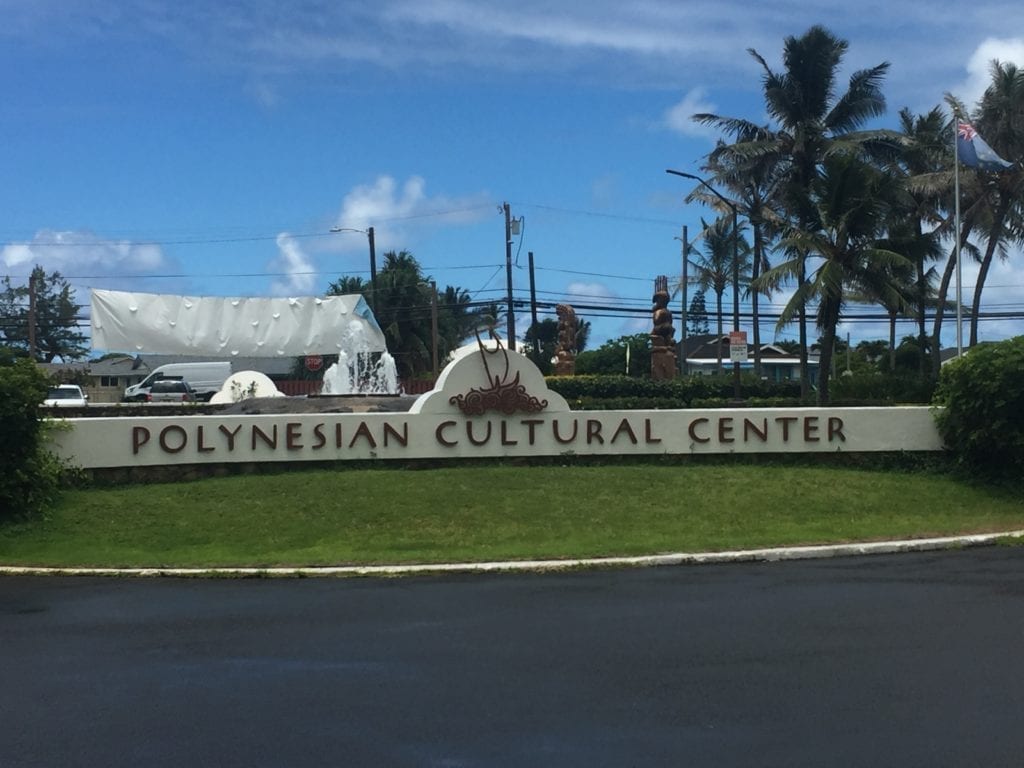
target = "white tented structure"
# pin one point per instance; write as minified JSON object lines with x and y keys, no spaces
{"x":232,"y":327}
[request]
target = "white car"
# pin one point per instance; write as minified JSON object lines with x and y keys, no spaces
{"x":66,"y":396}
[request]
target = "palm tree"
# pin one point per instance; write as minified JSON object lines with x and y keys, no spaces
{"x":347,"y":285}
{"x":851,"y":201}
{"x":753,"y":182}
{"x":715,"y":266}
{"x":915,"y":231}
{"x":973,"y":213}
{"x":1000,"y":119}
{"x":458,"y":318}
{"x":813,"y":122}
{"x":403,"y":309}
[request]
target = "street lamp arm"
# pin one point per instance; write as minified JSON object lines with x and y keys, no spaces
{"x":373,"y":258}
{"x":707,"y":186}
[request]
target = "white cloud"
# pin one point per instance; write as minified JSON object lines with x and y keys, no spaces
{"x":604,"y":190}
{"x":395,"y":211}
{"x":978,"y":77}
{"x":299,"y":270}
{"x":614,"y":28}
{"x":589,"y":292}
{"x":677,"y":118}
{"x":82,"y":254}
{"x":635,"y":325}
{"x":263,"y":93}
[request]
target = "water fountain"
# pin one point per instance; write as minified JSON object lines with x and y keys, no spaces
{"x":360,"y":371}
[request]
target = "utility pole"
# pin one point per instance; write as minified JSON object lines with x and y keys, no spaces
{"x":511,"y":341}
{"x":683,"y":367}
{"x":32,"y":315}
{"x":433,"y":324}
{"x":373,"y":260}
{"x":373,"y":269}
{"x":533,"y":311}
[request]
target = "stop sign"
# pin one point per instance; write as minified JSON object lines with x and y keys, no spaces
{"x":314,"y":363}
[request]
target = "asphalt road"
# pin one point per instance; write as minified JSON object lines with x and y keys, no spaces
{"x":905,"y":660}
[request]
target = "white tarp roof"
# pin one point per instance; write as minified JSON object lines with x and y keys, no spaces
{"x":228,"y":327}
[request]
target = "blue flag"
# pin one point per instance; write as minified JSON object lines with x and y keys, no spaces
{"x":975,"y":153}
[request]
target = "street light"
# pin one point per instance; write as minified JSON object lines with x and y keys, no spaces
{"x":735,"y":266}
{"x":373,"y":260}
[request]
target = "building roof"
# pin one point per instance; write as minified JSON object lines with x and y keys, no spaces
{"x":704,"y":348}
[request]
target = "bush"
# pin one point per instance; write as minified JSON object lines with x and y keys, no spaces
{"x":613,"y":392}
{"x":29,"y":475}
{"x":870,"y":387}
{"x":981,"y":414}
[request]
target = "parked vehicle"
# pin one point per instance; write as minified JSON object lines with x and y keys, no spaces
{"x":171,"y":391}
{"x":66,"y":396}
{"x":206,"y":379}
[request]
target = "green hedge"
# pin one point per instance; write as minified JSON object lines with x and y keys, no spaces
{"x":872,"y":388}
{"x":981,"y":418}
{"x":29,"y":475}
{"x":596,"y":392}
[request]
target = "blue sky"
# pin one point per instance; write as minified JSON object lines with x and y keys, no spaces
{"x":209,"y":148}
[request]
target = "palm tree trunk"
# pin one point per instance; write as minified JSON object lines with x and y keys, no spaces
{"x":986,"y":264}
{"x":805,"y":376}
{"x":892,"y":341}
{"x":824,"y":364}
{"x":940,"y":305}
{"x":830,"y":315}
{"x":940,"y":308}
{"x":922,"y":296}
{"x":718,"y":342}
{"x":755,"y":272}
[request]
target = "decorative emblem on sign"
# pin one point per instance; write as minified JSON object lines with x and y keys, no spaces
{"x":505,"y":395}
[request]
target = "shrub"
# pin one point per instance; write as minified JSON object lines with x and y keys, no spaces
{"x":981,"y":414}
{"x":587,"y":392}
{"x":29,"y":475}
{"x":870,"y":387}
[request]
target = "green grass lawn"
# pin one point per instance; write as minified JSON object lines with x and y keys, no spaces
{"x":323,"y":517}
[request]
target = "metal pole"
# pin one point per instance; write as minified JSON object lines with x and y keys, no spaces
{"x":373,"y":269}
{"x":533,"y":311}
{"x":508,"y":277}
{"x":956,"y":219}
{"x":433,"y":324}
{"x":735,"y":265}
{"x":32,"y":314}
{"x":683,"y":367}
{"x":735,"y":292}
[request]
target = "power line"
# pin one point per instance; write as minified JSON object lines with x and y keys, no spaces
{"x":248,"y":239}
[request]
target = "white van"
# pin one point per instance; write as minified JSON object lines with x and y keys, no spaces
{"x":206,"y":379}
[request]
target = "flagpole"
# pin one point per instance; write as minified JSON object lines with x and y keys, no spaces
{"x":956,"y":222}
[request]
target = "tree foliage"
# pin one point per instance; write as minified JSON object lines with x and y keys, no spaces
{"x":811,"y":120}
{"x":29,"y":476}
{"x":403,"y":308}
{"x":981,"y":414}
{"x":851,"y":200}
{"x":56,"y":317}
{"x":611,"y":357}
{"x":697,"y":314}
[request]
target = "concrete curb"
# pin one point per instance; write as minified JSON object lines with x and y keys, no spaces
{"x":523,"y":566}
